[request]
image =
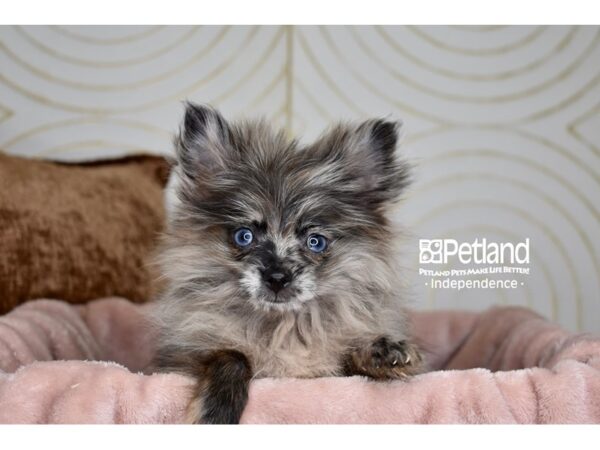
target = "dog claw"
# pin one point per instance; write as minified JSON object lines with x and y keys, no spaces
{"x":386,"y":359}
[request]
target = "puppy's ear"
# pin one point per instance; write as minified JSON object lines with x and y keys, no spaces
{"x":379,"y":138}
{"x":203,"y":143}
{"x":366,"y":160}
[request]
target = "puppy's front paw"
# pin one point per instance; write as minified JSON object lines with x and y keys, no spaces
{"x":385,"y":359}
{"x":396,"y":359}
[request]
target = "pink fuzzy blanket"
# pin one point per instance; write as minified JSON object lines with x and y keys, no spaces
{"x":83,"y":364}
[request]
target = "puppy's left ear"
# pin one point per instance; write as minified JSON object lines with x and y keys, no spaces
{"x":378,"y":138}
{"x":371,"y":150}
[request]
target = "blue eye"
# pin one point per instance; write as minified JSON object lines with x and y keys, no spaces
{"x":316,"y":243}
{"x":243,"y":237}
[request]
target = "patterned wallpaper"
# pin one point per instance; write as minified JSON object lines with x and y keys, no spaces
{"x":502,"y":122}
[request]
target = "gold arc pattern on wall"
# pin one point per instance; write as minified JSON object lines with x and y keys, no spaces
{"x":364,"y":80}
{"x":135,"y":36}
{"x":536,"y":62}
{"x":180,"y":94}
{"x":74,"y":92}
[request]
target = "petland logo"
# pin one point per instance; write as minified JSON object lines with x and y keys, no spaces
{"x":494,"y":265}
{"x":440,"y":251}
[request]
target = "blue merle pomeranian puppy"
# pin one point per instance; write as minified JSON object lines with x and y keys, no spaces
{"x":280,"y":259}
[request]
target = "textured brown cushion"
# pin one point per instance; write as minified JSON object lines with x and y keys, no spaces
{"x":78,"y":231}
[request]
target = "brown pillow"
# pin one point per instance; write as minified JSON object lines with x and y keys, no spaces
{"x":78,"y":231}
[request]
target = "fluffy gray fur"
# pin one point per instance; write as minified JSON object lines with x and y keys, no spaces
{"x":246,"y":174}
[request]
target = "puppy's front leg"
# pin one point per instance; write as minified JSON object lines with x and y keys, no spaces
{"x":221,"y":392}
{"x":384,"y":359}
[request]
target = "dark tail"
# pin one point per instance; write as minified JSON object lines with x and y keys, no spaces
{"x":222,"y":380}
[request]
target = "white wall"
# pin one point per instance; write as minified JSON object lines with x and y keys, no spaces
{"x":503,"y":122}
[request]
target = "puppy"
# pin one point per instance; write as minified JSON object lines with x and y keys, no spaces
{"x":280,"y":259}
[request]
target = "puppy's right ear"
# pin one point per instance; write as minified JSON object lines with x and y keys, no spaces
{"x":204,"y":141}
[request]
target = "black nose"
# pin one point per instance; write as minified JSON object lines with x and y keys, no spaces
{"x":276,"y":278}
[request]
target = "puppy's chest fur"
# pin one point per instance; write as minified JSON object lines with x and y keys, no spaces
{"x":291,"y":356}
{"x":291,"y":351}
{"x":303,"y":344}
